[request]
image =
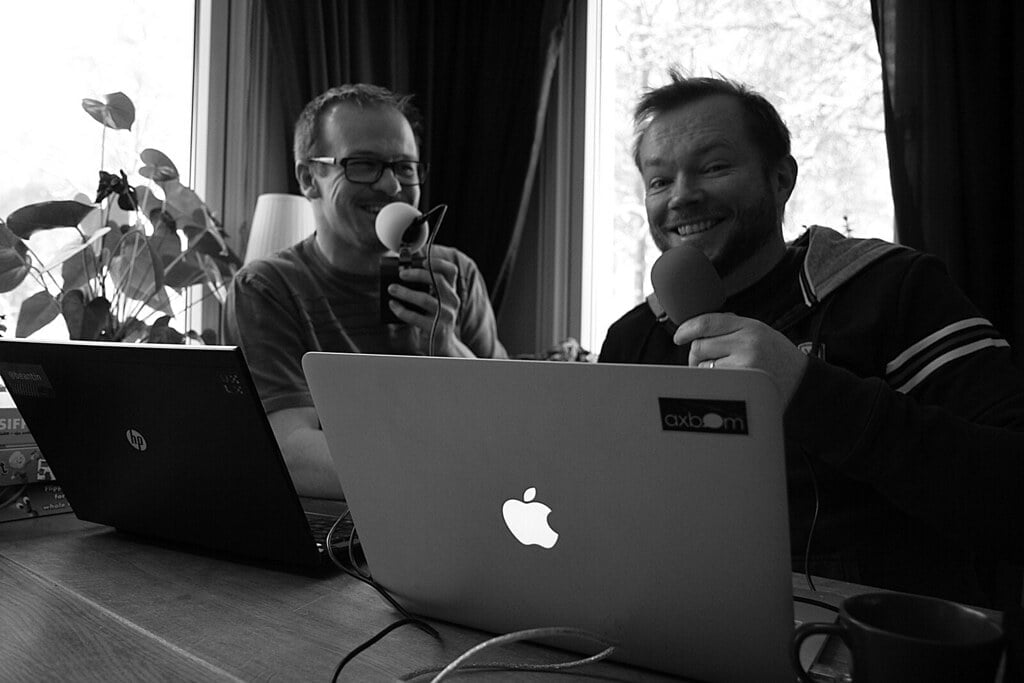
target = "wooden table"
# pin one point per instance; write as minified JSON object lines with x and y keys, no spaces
{"x":83,"y":602}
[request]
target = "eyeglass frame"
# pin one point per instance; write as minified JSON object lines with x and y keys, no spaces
{"x":423,"y":168}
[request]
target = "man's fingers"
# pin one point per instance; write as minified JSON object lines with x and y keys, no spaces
{"x":706,"y":325}
{"x":416,"y":297}
{"x":443,"y":270}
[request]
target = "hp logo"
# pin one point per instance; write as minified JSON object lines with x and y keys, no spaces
{"x":136,"y":439}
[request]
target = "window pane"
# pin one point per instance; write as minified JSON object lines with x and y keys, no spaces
{"x":816,"y":60}
{"x":55,"y":54}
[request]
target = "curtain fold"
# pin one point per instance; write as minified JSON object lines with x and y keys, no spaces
{"x":954,"y":108}
{"x":479,"y":72}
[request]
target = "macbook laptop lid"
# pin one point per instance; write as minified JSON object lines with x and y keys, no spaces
{"x":646,"y":504}
{"x":165,"y":441}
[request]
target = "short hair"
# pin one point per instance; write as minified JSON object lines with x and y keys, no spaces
{"x":766,"y":127}
{"x":362,"y":95}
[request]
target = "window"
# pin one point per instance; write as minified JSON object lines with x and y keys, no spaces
{"x":816,"y":60}
{"x":58,"y":52}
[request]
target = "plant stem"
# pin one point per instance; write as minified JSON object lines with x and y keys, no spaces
{"x":39,"y":277}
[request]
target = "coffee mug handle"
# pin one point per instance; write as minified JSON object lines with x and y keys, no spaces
{"x":804,"y":631}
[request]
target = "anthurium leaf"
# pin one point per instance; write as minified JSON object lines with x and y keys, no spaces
{"x":138,"y":273}
{"x":114,"y":239}
{"x":13,"y":268}
{"x":159,"y":167}
{"x":184,"y":205}
{"x":133,"y":276}
{"x":162,"y":333}
{"x":184,"y":273}
{"x":210,"y":243}
{"x":92,"y":222}
{"x":47,"y":215}
{"x":228,"y":263}
{"x":133,"y":330}
{"x":165,"y":242}
{"x":97,"y":321}
{"x":156,"y":264}
{"x":72,"y":305}
{"x":14,"y":262}
{"x":69,"y":250}
{"x":114,"y":110}
{"x":214,"y":281}
{"x":148,"y":202}
{"x":7,"y":238}
{"x":161,"y":302}
{"x":226,"y":259}
{"x":37,"y":311}
{"x":78,"y":270}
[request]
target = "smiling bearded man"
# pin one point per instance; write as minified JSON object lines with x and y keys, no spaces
{"x":904,"y":417}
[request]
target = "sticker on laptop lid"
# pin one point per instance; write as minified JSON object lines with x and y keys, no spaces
{"x":231,"y":383}
{"x":703,"y":415}
{"x":26,"y":380}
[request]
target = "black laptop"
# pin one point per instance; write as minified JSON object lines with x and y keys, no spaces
{"x":166,"y":441}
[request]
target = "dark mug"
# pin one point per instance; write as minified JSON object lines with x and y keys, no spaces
{"x":908,"y":638}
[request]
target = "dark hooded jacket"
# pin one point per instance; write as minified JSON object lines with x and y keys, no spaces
{"x":905,"y":437}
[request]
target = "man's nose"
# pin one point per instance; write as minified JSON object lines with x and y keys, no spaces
{"x":388,"y":182}
{"x":686,"y":189}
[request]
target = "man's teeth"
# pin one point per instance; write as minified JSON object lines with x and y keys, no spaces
{"x":694,"y":228}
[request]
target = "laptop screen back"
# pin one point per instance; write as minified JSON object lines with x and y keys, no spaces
{"x":164,"y":441}
{"x":643,"y":503}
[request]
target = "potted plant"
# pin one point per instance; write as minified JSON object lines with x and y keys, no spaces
{"x":132,"y":255}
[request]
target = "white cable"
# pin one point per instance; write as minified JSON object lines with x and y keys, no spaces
{"x":528,"y":634}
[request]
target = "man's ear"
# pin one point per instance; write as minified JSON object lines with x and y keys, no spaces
{"x":783,"y":177}
{"x":304,"y":174}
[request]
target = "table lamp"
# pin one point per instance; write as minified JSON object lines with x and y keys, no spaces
{"x":279,"y":221}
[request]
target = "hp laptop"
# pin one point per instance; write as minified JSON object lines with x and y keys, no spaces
{"x":163,"y":441}
{"x":646,"y":504}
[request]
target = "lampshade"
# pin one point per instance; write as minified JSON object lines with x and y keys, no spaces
{"x":279,"y":221}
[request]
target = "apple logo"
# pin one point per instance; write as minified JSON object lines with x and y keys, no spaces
{"x":528,"y":520}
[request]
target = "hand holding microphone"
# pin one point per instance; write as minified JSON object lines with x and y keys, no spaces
{"x":403,"y":230}
{"x":415,"y":289}
{"x":688,"y":287}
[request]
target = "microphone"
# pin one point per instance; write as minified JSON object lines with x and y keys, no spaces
{"x":402,"y":229}
{"x":686,"y":284}
{"x":400,"y":226}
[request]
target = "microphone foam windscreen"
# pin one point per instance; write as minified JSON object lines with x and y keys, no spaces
{"x":392,"y":224}
{"x":686,"y":283}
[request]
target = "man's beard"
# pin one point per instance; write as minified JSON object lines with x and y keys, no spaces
{"x":753,"y":226}
{"x":758,"y":224}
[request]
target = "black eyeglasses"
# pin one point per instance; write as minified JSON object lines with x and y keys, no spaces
{"x":367,"y":171}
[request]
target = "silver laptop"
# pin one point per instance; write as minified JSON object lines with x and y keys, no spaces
{"x":167,"y":442}
{"x":646,"y":504}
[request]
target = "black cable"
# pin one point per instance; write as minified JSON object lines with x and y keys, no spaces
{"x":816,"y":603}
{"x":441,"y":209}
{"x":816,"y":352}
{"x":356,"y":572}
{"x":814,"y":522}
{"x":368,"y":643}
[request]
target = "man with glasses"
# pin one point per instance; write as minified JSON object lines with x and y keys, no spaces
{"x":356,"y":150}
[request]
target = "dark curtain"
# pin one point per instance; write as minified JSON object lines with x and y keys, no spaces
{"x":954,"y":111}
{"x":480,"y":73}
